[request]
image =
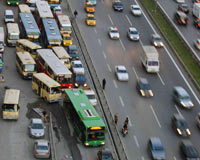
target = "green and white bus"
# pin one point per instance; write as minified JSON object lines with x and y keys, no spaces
{"x":86,"y":121}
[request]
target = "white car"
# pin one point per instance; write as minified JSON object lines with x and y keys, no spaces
{"x":135,"y":10}
{"x":197,"y":44}
{"x":113,"y":33}
{"x":180,"y":1}
{"x":133,"y":34}
{"x":121,"y":73}
{"x":91,"y":96}
{"x":77,"y":67}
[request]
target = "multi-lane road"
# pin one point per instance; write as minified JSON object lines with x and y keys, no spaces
{"x":148,"y":117}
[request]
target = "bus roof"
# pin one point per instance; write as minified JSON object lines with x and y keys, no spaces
{"x":84,"y":108}
{"x":25,"y":58}
{"x":11,"y":96}
{"x":12,"y":28}
{"x":61,"y":52}
{"x":29,"y":23}
{"x":64,"y":20}
{"x":53,"y":62}
{"x":24,"y":8}
{"x":46,"y":80}
{"x":29,"y":44}
{"x":51,"y":28}
{"x":44,"y":9}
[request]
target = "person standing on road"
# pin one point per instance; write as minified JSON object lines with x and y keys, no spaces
{"x":75,"y":13}
{"x":126,"y":121}
{"x":104,"y":83}
{"x":116,"y":118}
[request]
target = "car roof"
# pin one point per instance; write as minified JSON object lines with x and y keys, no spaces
{"x":9,"y":11}
{"x":181,"y":91}
{"x":180,"y":13}
{"x":135,"y":6}
{"x":42,"y":142}
{"x":36,"y":120}
{"x":120,"y":67}
{"x":179,"y":117}
{"x":77,"y":62}
{"x":187,"y":142}
{"x":155,"y":141}
{"x":132,"y":29}
{"x":156,"y":35}
{"x":143,"y":80}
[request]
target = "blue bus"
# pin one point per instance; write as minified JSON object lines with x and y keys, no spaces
{"x":29,"y":28}
{"x":50,"y":32}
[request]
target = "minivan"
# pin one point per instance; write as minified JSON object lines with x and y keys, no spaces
{"x":9,"y":16}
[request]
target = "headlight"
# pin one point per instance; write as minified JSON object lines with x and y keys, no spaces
{"x":142,"y":92}
{"x":155,"y":43}
{"x":85,"y":85}
{"x":87,"y":144}
{"x":179,"y":131}
{"x":161,"y":44}
{"x":188,"y":131}
{"x":151,"y":93}
{"x":76,"y":84}
{"x":183,"y":104}
{"x":102,"y":143}
{"x":191,"y":103}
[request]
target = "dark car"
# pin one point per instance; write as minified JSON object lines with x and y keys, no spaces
{"x":156,"y":149}
{"x":197,"y":22}
{"x":181,"y":18}
{"x":184,"y":8}
{"x":144,"y":87}
{"x":104,"y":155}
{"x":188,"y":150}
{"x":80,"y":80}
{"x":117,"y":5}
{"x":180,"y":125}
{"x":72,"y":51}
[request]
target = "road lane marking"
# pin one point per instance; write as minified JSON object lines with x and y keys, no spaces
{"x":122,"y":45}
{"x":128,"y":20}
{"x":95,"y":30}
{"x":136,"y":141}
{"x":121,"y":100}
{"x":155,"y":116}
{"x":109,"y":68}
{"x":110,"y":19}
{"x":135,"y":73}
{"x":104,"y":54}
{"x":178,"y":110}
{"x":142,"y":158}
{"x":161,"y":79}
{"x":115,"y":84}
{"x":174,"y":158}
{"x":197,"y":99}
{"x":99,"y":41}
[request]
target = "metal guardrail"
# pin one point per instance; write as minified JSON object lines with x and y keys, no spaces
{"x":185,"y":43}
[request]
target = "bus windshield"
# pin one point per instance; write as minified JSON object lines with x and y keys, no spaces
{"x":14,"y":36}
{"x":54,"y":90}
{"x":96,"y":135}
{"x":29,"y":67}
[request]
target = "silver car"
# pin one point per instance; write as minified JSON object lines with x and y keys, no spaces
{"x":77,"y":67}
{"x":121,"y":73}
{"x":42,"y":149}
{"x":156,"y":40}
{"x":113,"y":33}
{"x":36,"y":128}
{"x":133,"y":34}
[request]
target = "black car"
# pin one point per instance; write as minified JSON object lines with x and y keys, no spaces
{"x":180,"y":125}
{"x":117,"y":5}
{"x":104,"y":155}
{"x":80,"y":80}
{"x":144,"y":87}
{"x":72,"y":51}
{"x":181,"y":18}
{"x":197,"y":22}
{"x":188,"y":150}
{"x":184,"y":8}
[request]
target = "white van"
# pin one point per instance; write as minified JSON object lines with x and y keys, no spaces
{"x":9,"y":16}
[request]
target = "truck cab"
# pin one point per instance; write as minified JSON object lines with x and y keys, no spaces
{"x":150,"y":59}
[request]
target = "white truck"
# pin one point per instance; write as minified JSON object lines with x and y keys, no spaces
{"x":1,"y":40}
{"x":150,"y":59}
{"x":196,"y":10}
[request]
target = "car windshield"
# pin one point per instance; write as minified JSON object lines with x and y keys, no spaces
{"x":67,"y":38}
{"x":133,"y":32}
{"x":107,"y":156}
{"x":158,"y":147}
{"x":182,"y":124}
{"x":152,"y":63}
{"x":114,"y":31}
{"x":29,"y":67}
{"x":157,"y":38}
{"x":121,"y":71}
{"x":91,"y":96}
{"x":9,"y":16}
{"x":42,"y":147}
{"x":91,"y":18}
{"x":78,"y":66}
{"x":118,"y":4}
{"x":98,"y":135}
{"x":185,"y":6}
{"x":80,"y":78}
{"x":37,"y":126}
{"x":185,"y":97}
{"x":90,"y":5}
{"x":145,"y":86}
{"x":136,"y":8}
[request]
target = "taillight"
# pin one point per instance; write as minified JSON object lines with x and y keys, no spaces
{"x":36,"y":153}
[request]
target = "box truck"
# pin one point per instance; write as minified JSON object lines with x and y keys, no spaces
{"x":1,"y":40}
{"x":196,"y":10}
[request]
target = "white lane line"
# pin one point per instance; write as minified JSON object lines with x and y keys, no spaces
{"x":115,"y":84}
{"x":121,"y":100}
{"x":174,"y":158}
{"x":197,"y":99}
{"x":161,"y":79}
{"x":110,"y":19}
{"x":104,"y":54}
{"x":155,"y":116}
{"x":95,"y":30}
{"x":122,"y":45}
{"x":99,"y":41}
{"x":135,"y":72}
{"x":177,"y":110}
{"x":128,"y":20}
{"x":136,"y":141}
{"x":109,"y":68}
{"x":142,"y":158}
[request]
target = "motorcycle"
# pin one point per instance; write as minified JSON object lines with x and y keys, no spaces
{"x":124,"y":132}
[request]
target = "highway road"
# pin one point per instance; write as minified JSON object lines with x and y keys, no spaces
{"x":189,"y":32}
{"x":148,"y":117}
